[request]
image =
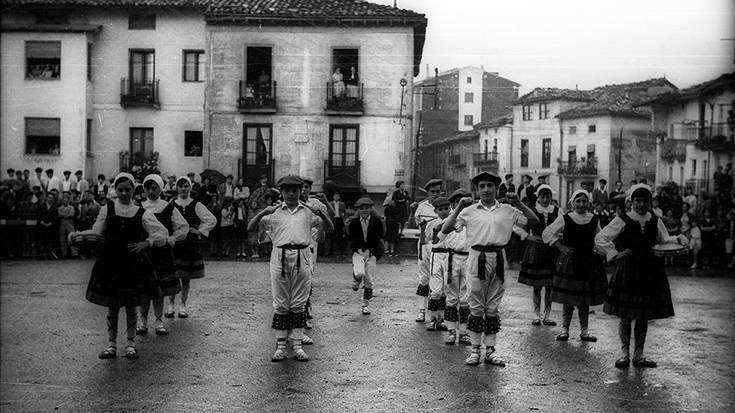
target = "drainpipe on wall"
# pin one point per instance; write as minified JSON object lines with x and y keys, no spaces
{"x":561,"y":157}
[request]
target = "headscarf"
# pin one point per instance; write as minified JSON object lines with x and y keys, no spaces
{"x":544,"y":186}
{"x":123,"y":175}
{"x":577,"y":193}
{"x":155,"y":178}
{"x":184,"y":178}
{"x":638,"y":187}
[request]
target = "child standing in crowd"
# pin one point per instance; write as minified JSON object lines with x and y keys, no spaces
{"x":423,"y":215}
{"x":579,"y":275}
{"x":189,"y":261}
{"x":241,"y":227}
{"x":537,"y":267}
{"x":457,"y":310}
{"x":437,"y":300}
{"x":227,"y":227}
{"x":638,"y":288}
{"x":489,"y":225}
{"x":366,"y":235}
{"x":162,"y":257}
{"x":121,"y":276}
{"x":66,"y":224}
{"x":289,"y":225}
{"x":392,"y":224}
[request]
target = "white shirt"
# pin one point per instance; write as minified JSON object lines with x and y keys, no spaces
{"x":489,"y":226}
{"x":157,"y":233}
{"x":243,"y":193}
{"x":552,"y":233}
{"x":54,"y":183}
{"x":456,"y":240}
{"x":286,"y":226}
{"x":66,"y":184}
{"x":604,"y":238}
{"x":207,"y":220}
{"x":181,"y":227}
{"x":424,"y":212}
{"x":365,"y":222}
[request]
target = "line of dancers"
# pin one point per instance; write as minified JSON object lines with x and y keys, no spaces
{"x":461,"y":274}
{"x":151,"y":252}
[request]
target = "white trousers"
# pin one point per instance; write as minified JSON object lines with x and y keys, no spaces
{"x":484,"y":295}
{"x":438,"y":268}
{"x":456,"y":291}
{"x":363,"y":266}
{"x":290,"y":287}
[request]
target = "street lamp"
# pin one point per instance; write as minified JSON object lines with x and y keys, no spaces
{"x":403,"y":83}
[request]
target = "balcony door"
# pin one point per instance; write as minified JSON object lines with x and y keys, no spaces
{"x":258,"y":144}
{"x":141,"y":141}
{"x":142,"y":71}
{"x":259,"y":71}
{"x":343,"y":164}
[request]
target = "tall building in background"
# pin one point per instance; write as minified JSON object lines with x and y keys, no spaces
{"x":447,"y":108}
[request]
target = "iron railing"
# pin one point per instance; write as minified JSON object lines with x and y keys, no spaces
{"x":257,"y":98}
{"x":134,"y":93}
{"x":345,"y":99}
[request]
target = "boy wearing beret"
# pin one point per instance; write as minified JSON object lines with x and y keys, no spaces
{"x":366,"y":232}
{"x":289,"y":225}
{"x":423,"y":215}
{"x":489,"y":225}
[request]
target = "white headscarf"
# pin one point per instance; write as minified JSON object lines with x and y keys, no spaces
{"x":577,"y":193}
{"x":185,"y":178}
{"x":123,"y":175}
{"x":544,"y":186}
{"x":155,"y":178}
{"x":637,"y":187}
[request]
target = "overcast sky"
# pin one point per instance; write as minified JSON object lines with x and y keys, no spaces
{"x":564,"y":43}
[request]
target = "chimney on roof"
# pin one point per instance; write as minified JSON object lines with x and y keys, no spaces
{"x":482,"y":67}
{"x":427,"y":70}
{"x":576,"y":87}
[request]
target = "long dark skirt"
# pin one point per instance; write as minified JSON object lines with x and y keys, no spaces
{"x":537,"y":267}
{"x":579,"y":279}
{"x":165,"y":266}
{"x":189,"y":261}
{"x":121,"y":279}
{"x":639,"y":289}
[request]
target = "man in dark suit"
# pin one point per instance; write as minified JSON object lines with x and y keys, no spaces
{"x":527,"y":192}
{"x":337,"y":214}
{"x":366,"y":232}
{"x":600,"y":193}
{"x":506,"y":186}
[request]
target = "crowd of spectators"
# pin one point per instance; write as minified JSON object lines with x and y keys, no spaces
{"x":38,"y":210}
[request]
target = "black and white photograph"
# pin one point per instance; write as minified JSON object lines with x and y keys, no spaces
{"x":367,"y":206}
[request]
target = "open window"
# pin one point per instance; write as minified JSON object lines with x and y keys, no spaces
{"x":259,"y":71}
{"x":43,"y":60}
{"x":43,"y":136}
{"x":345,"y":72}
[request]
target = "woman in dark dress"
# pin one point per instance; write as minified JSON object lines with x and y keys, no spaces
{"x":579,"y":275}
{"x":162,"y":257}
{"x":402,"y":201}
{"x":189,"y":261}
{"x":537,"y":267}
{"x":639,"y":289}
{"x":123,"y":276}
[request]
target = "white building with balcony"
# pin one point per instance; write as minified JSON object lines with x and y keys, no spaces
{"x":84,"y":82}
{"x":695,"y":128}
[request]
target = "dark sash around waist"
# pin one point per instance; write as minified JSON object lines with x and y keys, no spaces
{"x":452,"y":253}
{"x":481,"y":259}
{"x":291,"y":247}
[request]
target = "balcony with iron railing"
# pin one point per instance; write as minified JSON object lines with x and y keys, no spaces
{"x":259,"y":98}
{"x":345,"y":99}
{"x":484,"y":158}
{"x":582,"y":168}
{"x":140,"y":94}
{"x":716,"y":137}
{"x":345,"y":176}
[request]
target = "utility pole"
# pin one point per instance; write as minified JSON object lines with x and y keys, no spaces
{"x":620,"y":156}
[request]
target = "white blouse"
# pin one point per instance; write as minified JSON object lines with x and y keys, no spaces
{"x":553,"y":232}
{"x":207,"y":220}
{"x":604,"y":239}
{"x":181,"y":227}
{"x":157,"y":233}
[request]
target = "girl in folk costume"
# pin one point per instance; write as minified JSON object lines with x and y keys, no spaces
{"x":457,"y":309}
{"x":579,"y":275}
{"x":489,"y":225}
{"x":537,"y":267}
{"x":189,"y":262}
{"x":122,"y":276}
{"x":638,"y":288}
{"x":289,"y":225}
{"x":162,"y":257}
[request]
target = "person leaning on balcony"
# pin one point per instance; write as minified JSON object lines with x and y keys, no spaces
{"x":338,"y":83}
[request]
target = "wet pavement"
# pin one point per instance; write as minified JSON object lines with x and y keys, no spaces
{"x":219,"y":358}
